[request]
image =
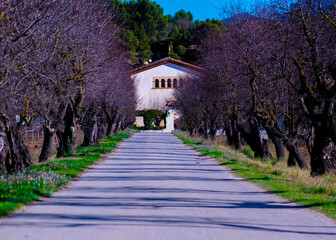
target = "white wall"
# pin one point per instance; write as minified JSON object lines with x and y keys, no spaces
{"x":155,"y":98}
{"x":170,"y":121}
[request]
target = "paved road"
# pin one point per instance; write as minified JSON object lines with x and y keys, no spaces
{"x":154,"y":188}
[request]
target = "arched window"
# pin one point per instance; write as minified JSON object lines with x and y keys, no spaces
{"x":163,"y":83}
{"x":169,"y":83}
{"x":175,"y":83}
{"x":157,"y":83}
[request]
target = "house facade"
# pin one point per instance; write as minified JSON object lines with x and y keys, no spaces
{"x":155,"y":82}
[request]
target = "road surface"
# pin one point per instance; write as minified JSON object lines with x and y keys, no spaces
{"x":155,"y":188}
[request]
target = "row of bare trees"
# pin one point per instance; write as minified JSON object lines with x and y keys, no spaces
{"x":60,"y":64}
{"x":273,"y":70}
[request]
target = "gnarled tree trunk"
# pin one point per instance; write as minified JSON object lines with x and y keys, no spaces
{"x":4,"y":148}
{"x":117,"y":126}
{"x":235,"y":135}
{"x":323,"y":157}
{"x":205,"y":128}
{"x":66,"y":137}
{"x":191,"y":131}
{"x":110,"y":119}
{"x":109,"y":129}
{"x":90,"y":129}
{"x":251,"y":133}
{"x":278,"y":144}
{"x":48,"y":144}
{"x":213,"y":129}
{"x":295,"y":155}
{"x":232,"y":133}
{"x":101,"y":133}
{"x":14,"y":154}
{"x":229,"y":134}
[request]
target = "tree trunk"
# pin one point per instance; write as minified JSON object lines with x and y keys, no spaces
{"x":323,"y":158}
{"x":122,"y":124}
{"x":90,"y":136}
{"x":48,"y":144}
{"x":250,"y":132}
{"x":4,"y":148}
{"x":232,"y":133}
{"x":213,"y":129}
{"x":100,"y":130}
{"x":110,"y":123}
{"x":205,"y":129}
{"x":90,"y":132}
{"x":14,"y":154}
{"x":86,"y":141}
{"x":109,"y":129}
{"x":235,"y":135}
{"x":229,"y":134}
{"x":65,"y":142}
{"x":66,"y":137}
{"x":295,"y":155}
{"x":278,"y":144}
{"x":191,"y":131}
{"x":117,"y":127}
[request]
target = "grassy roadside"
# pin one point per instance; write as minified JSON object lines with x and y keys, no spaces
{"x":44,"y":179}
{"x":291,"y":183}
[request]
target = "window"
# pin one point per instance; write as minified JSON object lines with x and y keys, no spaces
{"x":165,"y":82}
{"x":169,"y":83}
{"x":175,"y":83}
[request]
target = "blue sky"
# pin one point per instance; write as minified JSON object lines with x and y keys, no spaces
{"x":200,"y":9}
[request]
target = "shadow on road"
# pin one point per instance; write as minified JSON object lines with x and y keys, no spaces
{"x":164,"y":185}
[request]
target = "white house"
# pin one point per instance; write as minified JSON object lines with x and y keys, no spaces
{"x":155,"y":82}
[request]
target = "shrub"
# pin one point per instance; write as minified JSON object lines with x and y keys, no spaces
{"x":152,"y":115}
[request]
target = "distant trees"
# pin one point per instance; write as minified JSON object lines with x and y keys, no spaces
{"x":272,"y":70}
{"x":148,"y":33}
{"x":61,"y":63}
{"x":186,"y":37}
{"x":144,"y":23}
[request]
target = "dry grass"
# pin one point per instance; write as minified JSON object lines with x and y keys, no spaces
{"x":294,"y":173}
{"x":35,"y":147}
{"x":273,"y":174}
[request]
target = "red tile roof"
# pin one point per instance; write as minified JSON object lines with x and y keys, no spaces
{"x":165,"y":61}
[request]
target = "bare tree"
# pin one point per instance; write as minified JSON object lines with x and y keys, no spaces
{"x":275,"y":68}
{"x":57,"y":57}
{"x":315,"y":79}
{"x":18,"y":21}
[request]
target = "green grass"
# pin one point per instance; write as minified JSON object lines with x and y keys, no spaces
{"x":291,"y":183}
{"x":44,"y":179}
